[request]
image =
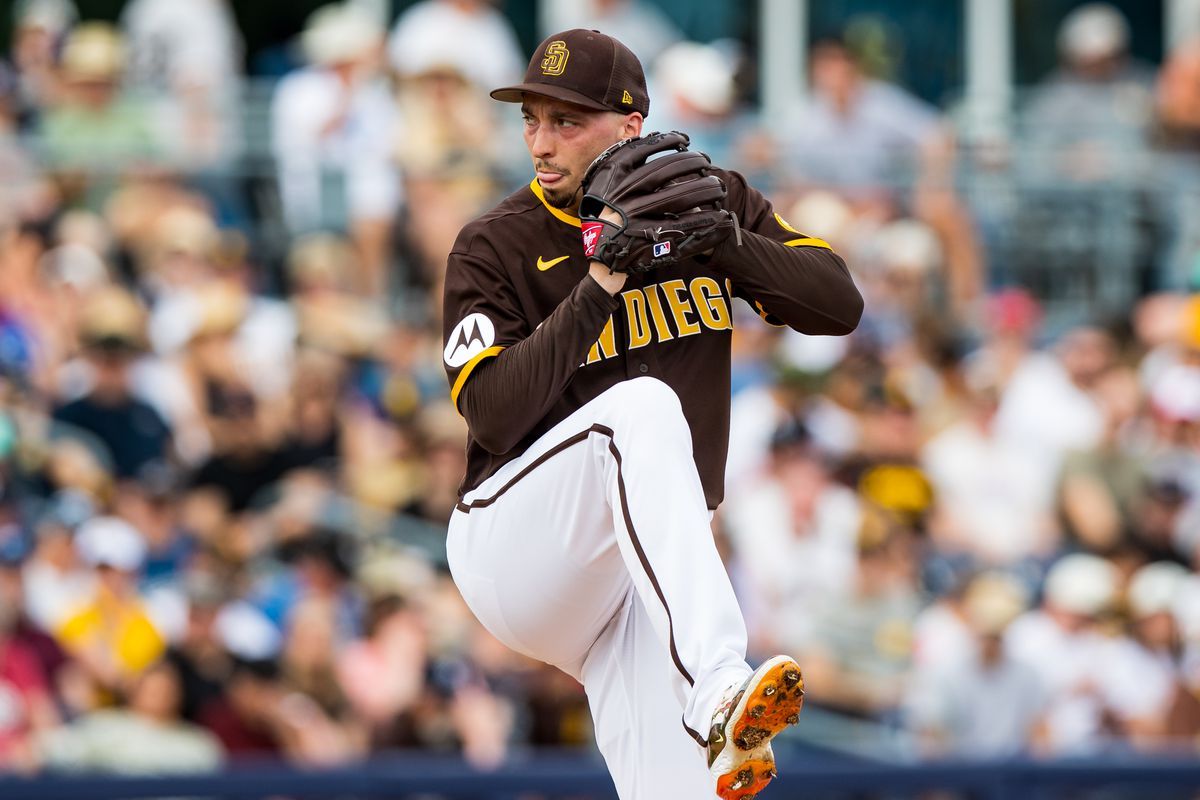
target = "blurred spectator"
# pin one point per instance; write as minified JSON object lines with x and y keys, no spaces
{"x":811,"y":524}
{"x":429,"y":35}
{"x":187,"y":56}
{"x":883,"y":147}
{"x":641,"y":26}
{"x":383,"y":674}
{"x":443,"y":436}
{"x":695,"y":91}
{"x":24,"y":194}
{"x":901,"y":270}
{"x":248,"y":716}
{"x":112,"y":330}
{"x":858,"y":134}
{"x":885,"y":468}
{"x":1063,"y":642}
{"x":992,"y":505}
{"x":452,"y":161}
{"x":862,"y":650}
{"x":1177,"y":99}
{"x":56,"y":579}
{"x":1049,"y":405}
{"x":308,"y":672}
{"x":985,"y":704}
{"x":1186,"y":613}
{"x":199,"y":655}
{"x":97,"y":128}
{"x":148,"y":737}
{"x":1152,"y":657}
{"x":1178,"y":96}
{"x":26,"y":683}
{"x":38,"y":30}
{"x":112,"y":634}
{"x":1100,"y":489}
{"x":1011,"y":321}
{"x":334,"y":123}
{"x":1088,"y":121}
{"x":248,"y":454}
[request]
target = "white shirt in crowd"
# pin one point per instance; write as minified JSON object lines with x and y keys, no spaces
{"x":977,"y":710}
{"x":1046,"y":415}
{"x":188,"y":49}
{"x":333,"y":174}
{"x":1066,"y":666}
{"x":991,"y":491}
{"x":473,"y":38}
{"x":807,"y":567}
{"x":1087,"y":676}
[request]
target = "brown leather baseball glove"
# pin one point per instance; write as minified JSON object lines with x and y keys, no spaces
{"x":667,"y":201}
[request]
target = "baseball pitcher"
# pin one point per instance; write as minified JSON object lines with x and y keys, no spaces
{"x":587,"y":343}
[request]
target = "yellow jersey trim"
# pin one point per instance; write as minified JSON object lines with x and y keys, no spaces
{"x":565,"y":216}
{"x":808,"y":241}
{"x":461,"y":380}
{"x":783,"y":223}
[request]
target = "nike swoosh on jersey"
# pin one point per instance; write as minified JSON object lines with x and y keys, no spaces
{"x":545,"y":265}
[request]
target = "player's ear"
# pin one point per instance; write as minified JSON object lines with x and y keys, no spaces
{"x":632,"y":126}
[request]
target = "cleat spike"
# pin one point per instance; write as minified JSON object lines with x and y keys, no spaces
{"x":793,"y":719}
{"x":769,"y":689}
{"x":757,"y":711}
{"x":791,"y":677}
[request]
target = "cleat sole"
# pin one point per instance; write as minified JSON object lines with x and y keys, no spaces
{"x":749,"y":779}
{"x":780,"y":693}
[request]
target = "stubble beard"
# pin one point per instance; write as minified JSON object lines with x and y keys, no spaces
{"x":558,"y":198}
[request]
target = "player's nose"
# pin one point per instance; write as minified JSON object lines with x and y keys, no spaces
{"x":541,"y":143}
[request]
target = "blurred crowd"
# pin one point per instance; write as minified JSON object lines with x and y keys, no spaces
{"x":227,"y":453}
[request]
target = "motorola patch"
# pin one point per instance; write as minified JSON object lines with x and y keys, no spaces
{"x":470,"y":337}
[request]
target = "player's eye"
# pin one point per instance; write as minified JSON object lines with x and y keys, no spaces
{"x":564,"y":122}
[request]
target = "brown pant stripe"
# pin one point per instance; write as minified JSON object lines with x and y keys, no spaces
{"x":542,"y":459}
{"x":641,"y":554}
{"x":700,"y":740}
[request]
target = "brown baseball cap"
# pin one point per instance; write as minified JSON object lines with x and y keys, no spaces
{"x":587,"y":68}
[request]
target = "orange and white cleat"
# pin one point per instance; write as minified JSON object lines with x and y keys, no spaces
{"x":739,"y":742}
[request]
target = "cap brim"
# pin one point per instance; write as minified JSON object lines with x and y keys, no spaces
{"x":516,"y":94}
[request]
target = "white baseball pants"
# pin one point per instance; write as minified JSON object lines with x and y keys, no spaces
{"x":593,"y":552}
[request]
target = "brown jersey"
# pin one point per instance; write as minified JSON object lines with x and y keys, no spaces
{"x":530,"y":337}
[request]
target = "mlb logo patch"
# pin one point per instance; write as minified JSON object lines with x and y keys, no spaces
{"x":661,"y":249}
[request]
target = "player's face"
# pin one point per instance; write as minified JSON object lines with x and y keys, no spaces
{"x":564,"y":138}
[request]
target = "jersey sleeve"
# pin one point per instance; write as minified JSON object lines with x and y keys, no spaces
{"x":788,"y":277}
{"x":480,"y":317}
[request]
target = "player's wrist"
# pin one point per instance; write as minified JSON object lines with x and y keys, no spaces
{"x":611,"y":282}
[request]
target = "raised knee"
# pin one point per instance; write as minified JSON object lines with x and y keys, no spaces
{"x":647,"y":394}
{"x":648,"y":408}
